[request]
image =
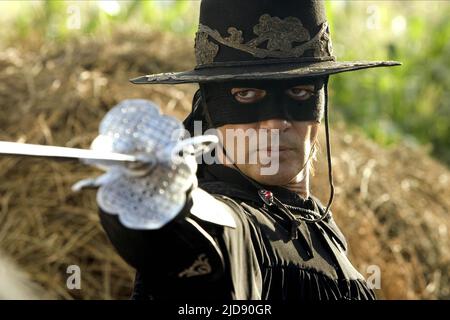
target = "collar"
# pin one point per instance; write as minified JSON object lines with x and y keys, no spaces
{"x":235,"y":185}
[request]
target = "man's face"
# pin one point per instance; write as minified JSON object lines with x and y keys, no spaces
{"x":287,"y":142}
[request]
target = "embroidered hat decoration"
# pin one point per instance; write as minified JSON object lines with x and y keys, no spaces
{"x":261,"y":40}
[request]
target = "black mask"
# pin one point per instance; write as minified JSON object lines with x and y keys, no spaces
{"x":223,"y":108}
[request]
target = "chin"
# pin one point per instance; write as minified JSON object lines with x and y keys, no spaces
{"x":282,"y":177}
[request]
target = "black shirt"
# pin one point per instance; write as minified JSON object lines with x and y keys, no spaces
{"x":192,"y":259}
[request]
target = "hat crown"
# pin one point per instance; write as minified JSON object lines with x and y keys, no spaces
{"x":233,"y":32}
{"x":262,"y":39}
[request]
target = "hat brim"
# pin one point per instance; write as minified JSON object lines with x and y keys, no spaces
{"x":260,"y":72}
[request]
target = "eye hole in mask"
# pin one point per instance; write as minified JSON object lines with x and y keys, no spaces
{"x":248,"y":95}
{"x":297,"y":100}
{"x":301,"y":93}
{"x":253,"y":95}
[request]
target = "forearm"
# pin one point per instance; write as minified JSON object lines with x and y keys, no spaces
{"x":172,"y":249}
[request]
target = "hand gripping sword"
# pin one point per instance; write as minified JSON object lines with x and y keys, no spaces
{"x":149,"y":163}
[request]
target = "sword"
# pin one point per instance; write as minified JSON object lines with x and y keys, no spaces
{"x":133,"y":132}
{"x":148,"y":160}
{"x":37,"y":150}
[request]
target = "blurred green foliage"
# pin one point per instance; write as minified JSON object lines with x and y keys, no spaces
{"x":59,"y":20}
{"x":407,"y":104}
{"x":392,"y":105}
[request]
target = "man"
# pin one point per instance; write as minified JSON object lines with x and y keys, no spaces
{"x":263,"y":66}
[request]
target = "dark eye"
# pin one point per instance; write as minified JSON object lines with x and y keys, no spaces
{"x":248,"y":95}
{"x":300,"y":93}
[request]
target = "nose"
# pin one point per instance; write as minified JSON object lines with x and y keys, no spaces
{"x":280,"y":124}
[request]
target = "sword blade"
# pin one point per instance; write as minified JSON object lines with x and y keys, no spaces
{"x":37,"y":150}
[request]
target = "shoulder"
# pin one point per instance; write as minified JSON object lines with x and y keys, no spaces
{"x":330,"y":224}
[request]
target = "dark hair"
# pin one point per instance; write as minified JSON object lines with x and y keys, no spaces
{"x":197,"y":114}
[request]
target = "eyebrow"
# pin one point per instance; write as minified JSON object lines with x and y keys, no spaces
{"x":294,"y":86}
{"x":244,"y":88}
{"x":303,"y":85}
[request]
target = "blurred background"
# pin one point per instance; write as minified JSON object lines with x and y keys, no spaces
{"x":63,"y":64}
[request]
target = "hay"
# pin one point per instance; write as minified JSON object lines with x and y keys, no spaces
{"x":391,"y":204}
{"x":57,"y":95}
{"x":15,"y":284}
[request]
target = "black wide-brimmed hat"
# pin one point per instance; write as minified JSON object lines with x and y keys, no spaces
{"x":261,"y":40}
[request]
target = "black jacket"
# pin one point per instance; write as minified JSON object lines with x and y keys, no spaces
{"x":191,"y":259}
